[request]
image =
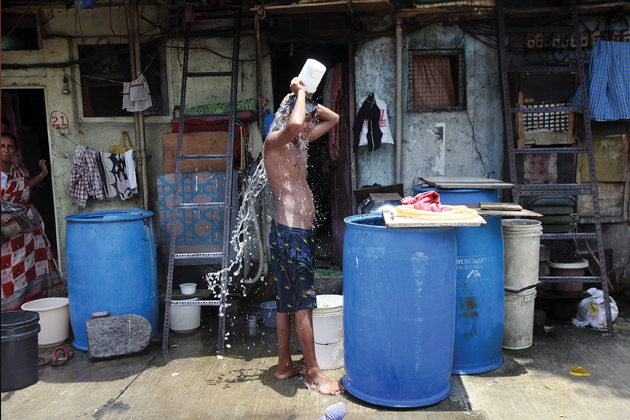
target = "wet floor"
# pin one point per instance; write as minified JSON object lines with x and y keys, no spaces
{"x":190,"y":382}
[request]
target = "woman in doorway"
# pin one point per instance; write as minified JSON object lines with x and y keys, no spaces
{"x":28,"y":265}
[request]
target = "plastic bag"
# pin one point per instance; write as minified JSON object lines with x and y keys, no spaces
{"x":591,"y":312}
{"x":125,"y":144}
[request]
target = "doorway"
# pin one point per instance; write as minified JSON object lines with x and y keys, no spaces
{"x":328,"y":178}
{"x":26,"y":109}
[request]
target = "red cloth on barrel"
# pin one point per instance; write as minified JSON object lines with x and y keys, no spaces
{"x":428,"y":201}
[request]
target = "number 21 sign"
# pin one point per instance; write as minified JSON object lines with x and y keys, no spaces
{"x":58,"y":120}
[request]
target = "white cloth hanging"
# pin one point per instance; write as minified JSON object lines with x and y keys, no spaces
{"x":136,"y":95}
{"x":130,"y":168}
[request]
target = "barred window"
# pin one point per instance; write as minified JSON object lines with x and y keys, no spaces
{"x":436,"y":80}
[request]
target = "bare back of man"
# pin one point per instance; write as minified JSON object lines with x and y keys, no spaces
{"x":285,"y":159}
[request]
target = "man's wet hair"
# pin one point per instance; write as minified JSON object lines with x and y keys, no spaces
{"x":311,"y":106}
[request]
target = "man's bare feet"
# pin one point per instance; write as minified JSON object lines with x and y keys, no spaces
{"x":323,"y":384}
{"x":284,"y":372}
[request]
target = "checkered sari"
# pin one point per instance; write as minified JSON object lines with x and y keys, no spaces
{"x":28,"y":265}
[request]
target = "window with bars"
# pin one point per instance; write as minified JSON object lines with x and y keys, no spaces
{"x":436,"y":81}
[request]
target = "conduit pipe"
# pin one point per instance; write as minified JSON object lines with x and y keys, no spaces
{"x":399,"y":97}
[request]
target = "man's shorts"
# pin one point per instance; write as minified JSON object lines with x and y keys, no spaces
{"x":292,"y":262}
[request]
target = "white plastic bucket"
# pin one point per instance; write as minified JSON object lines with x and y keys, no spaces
{"x":329,"y":356}
{"x":312,"y":74}
{"x":185,"y":319}
{"x":518,"y":327}
{"x":269,"y":311}
{"x":521,"y":247}
{"x":54,"y":320}
{"x":328,"y":319}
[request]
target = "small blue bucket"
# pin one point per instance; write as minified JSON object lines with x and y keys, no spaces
{"x":269,"y":310}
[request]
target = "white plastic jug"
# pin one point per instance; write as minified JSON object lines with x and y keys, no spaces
{"x":312,"y":74}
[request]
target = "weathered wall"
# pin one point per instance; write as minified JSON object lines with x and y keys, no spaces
{"x":99,"y":133}
{"x":473,"y":138}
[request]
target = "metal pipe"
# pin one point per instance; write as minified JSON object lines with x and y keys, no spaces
{"x":399,"y":97}
{"x":142,"y":148}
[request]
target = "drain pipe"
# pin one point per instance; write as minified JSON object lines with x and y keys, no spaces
{"x":399,"y":96}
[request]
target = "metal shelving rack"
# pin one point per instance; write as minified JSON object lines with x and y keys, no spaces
{"x":510,"y":111}
{"x":226,"y":204}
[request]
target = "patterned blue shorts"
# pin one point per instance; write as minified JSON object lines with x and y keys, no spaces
{"x":293,"y":263}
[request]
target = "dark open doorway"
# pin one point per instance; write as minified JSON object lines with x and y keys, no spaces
{"x":28,"y":107}
{"x":327,"y":177}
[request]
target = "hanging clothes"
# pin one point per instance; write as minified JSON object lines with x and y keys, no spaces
{"x":85,"y":180}
{"x":113,"y":172}
{"x":368,"y":116}
{"x":130,"y":167}
{"x":608,"y":82}
{"x":136,"y":95}
{"x":383,"y":125}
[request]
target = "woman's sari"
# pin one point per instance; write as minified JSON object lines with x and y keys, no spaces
{"x":28,"y":265}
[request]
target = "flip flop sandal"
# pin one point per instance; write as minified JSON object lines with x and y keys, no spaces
{"x":62,"y":356}
{"x":41,"y":362}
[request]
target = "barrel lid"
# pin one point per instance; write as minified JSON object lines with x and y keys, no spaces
{"x":109,"y":216}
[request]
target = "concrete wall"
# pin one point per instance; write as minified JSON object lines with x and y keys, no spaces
{"x":473,"y":139}
{"x":64,"y":35}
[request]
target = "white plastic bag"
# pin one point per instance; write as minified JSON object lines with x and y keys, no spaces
{"x":591,"y":312}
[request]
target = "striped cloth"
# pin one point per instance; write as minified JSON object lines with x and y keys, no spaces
{"x":609,"y":82}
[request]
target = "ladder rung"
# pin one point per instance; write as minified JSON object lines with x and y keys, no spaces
{"x":210,"y":115}
{"x":197,"y":205}
{"x":545,"y":29}
{"x":547,"y":109}
{"x":584,"y":279}
{"x":209,"y":73}
{"x":192,"y":157}
{"x":196,"y":303}
{"x":554,"y":189}
{"x":197,"y":255}
{"x":551,"y":150}
{"x":562,"y":236}
{"x":543,"y":69}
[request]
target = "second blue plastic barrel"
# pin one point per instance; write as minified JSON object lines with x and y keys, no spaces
{"x":112,"y":266}
{"x":399,"y":312}
{"x":480,"y":299}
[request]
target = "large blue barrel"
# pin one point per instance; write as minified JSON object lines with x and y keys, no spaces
{"x":399,"y":312}
{"x":112,"y":266}
{"x":480,"y":298}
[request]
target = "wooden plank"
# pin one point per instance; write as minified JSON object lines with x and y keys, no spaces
{"x":363,"y":193}
{"x":392,"y":221}
{"x":499,"y":206}
{"x":506,"y":213}
{"x":454,"y":182}
{"x":197,"y":143}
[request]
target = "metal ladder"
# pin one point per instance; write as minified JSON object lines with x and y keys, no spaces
{"x":510,"y":111}
{"x":226,"y":204}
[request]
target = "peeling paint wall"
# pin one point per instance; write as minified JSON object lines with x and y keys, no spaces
{"x":472,"y":144}
{"x":64,"y":34}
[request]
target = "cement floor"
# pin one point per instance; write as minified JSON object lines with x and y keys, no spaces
{"x":190,"y":382}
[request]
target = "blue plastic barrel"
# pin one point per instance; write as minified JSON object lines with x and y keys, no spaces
{"x":112,"y":266}
{"x":461,"y":196}
{"x":480,"y":298}
{"x":399,"y":312}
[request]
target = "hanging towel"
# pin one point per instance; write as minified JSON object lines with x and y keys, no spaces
{"x":608,"y":82}
{"x":136,"y":95}
{"x":428,"y":201}
{"x":114,"y":175}
{"x":130,"y":167}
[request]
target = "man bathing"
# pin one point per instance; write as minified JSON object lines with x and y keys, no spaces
{"x":291,"y":241}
